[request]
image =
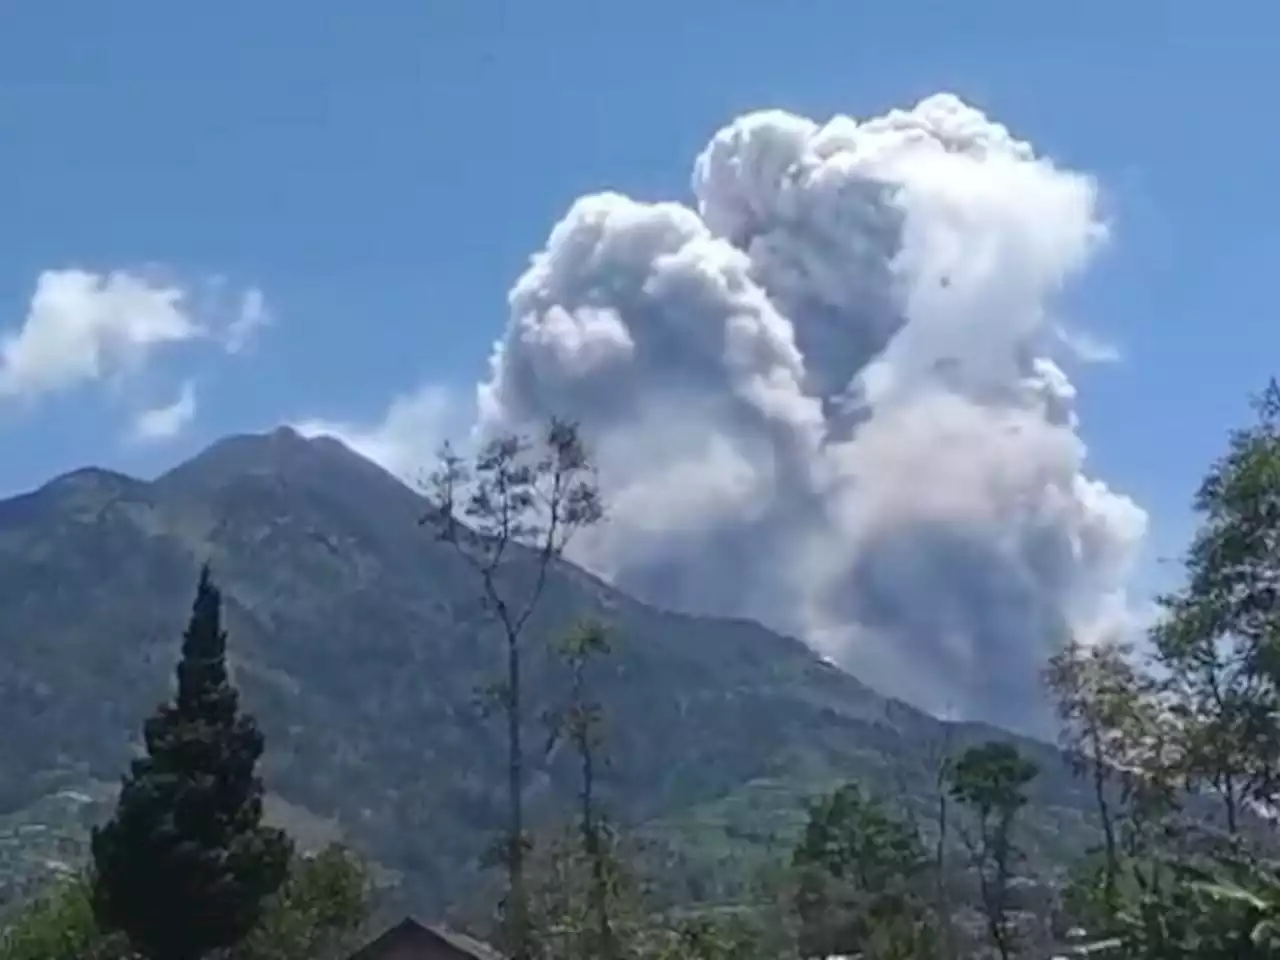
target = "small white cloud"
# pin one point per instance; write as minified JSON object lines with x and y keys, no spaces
{"x":249,"y":321}
{"x":166,"y":422}
{"x":1088,"y":348}
{"x":83,"y":326}
{"x":406,"y":439}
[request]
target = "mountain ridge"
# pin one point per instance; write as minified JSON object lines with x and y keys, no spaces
{"x":356,"y":640}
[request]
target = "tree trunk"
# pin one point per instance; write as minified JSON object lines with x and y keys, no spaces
{"x":1109,"y":844}
{"x":1231,"y":802}
{"x":518,"y":918}
{"x":591,"y":840}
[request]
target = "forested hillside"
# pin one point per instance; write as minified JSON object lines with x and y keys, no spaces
{"x":359,"y":642}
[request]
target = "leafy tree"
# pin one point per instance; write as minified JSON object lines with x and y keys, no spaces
{"x":1100,"y":696}
{"x":709,"y":937}
{"x":314,"y":916}
{"x":1121,"y":732}
{"x":317,"y":913}
{"x":1188,"y":890}
{"x":860,"y":870}
{"x":510,"y":513}
{"x":185,"y":866}
{"x":581,"y":721}
{"x":1240,"y":897}
{"x":991,"y":780}
{"x":1222,"y":904}
{"x":1218,"y":641}
{"x":59,"y":925}
{"x":567,"y":890}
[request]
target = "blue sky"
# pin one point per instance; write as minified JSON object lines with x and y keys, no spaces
{"x":382,"y":172}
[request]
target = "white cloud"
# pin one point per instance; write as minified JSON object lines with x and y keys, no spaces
{"x":84,"y":326}
{"x":1088,"y":347}
{"x":406,"y":438}
{"x":166,"y":422}
{"x":250,"y":319}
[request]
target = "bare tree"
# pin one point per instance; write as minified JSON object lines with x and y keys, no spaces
{"x":510,"y":512}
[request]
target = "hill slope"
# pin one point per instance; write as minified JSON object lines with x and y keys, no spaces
{"x":357,"y":642}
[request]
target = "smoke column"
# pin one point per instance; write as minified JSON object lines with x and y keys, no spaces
{"x":827,"y":395}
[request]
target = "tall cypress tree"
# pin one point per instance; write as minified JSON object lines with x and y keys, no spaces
{"x":185,"y":865}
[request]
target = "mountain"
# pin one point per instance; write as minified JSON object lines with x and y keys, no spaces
{"x":357,"y":642}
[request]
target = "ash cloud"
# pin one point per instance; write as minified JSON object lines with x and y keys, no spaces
{"x":825,"y":396}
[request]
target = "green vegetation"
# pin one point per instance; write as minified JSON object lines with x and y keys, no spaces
{"x":185,"y":865}
{"x":185,"y":868}
{"x":582,"y":720}
{"x":318,"y":914}
{"x":361,"y":647}
{"x":991,"y":781}
{"x":1151,"y":835}
{"x":860,"y":870}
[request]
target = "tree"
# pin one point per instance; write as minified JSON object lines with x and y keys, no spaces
{"x":185,"y":866}
{"x":564,"y":887}
{"x":581,"y":720}
{"x":317,"y":913}
{"x":510,"y":514}
{"x":1193,"y":890}
{"x":1238,"y":901}
{"x":1100,"y":696}
{"x":940,"y":762}
{"x":991,"y":780}
{"x":1220,"y":904}
{"x":1218,"y":640}
{"x":859,"y":870}
{"x":59,"y":925}
{"x":314,"y":916}
{"x":709,"y":937}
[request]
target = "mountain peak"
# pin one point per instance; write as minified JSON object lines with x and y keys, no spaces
{"x":92,"y":478}
{"x":287,"y":454}
{"x":89,"y":487}
{"x":278,"y":450}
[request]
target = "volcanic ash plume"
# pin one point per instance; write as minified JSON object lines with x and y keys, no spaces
{"x":825,"y":397}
